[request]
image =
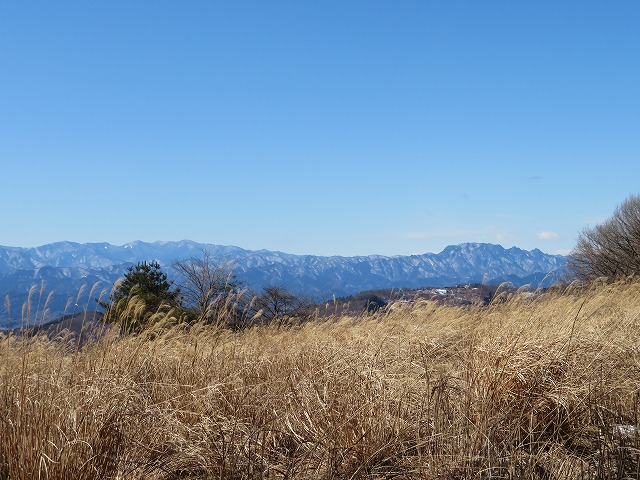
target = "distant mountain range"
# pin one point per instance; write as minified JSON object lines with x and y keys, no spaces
{"x":72,"y":270}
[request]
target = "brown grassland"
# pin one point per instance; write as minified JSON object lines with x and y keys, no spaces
{"x":529,"y":387}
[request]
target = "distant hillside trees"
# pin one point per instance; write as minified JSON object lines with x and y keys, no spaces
{"x":373,"y":302}
{"x":612,"y":248}
{"x":208,"y":292}
{"x":279,"y":303}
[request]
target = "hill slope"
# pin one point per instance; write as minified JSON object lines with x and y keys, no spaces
{"x":64,"y":268}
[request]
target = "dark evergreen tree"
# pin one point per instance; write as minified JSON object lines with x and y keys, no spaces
{"x":144,"y":291}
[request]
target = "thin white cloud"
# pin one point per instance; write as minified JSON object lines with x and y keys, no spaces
{"x":502,"y":236}
{"x":419,"y":235}
{"x":548,"y":235}
{"x":444,"y":234}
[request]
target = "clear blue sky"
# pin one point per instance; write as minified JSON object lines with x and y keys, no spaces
{"x":320,"y":127}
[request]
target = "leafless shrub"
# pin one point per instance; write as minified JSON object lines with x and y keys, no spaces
{"x":277,"y":303}
{"x":612,"y":248}
{"x":207,"y":285}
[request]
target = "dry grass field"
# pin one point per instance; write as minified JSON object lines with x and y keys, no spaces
{"x":530,"y":387}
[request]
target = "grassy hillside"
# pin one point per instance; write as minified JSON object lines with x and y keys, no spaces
{"x":544,"y":387}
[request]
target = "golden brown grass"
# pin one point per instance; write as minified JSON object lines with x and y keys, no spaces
{"x":543,"y":387}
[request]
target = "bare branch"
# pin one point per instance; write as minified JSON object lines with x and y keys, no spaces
{"x":206,"y":284}
{"x":612,"y":248}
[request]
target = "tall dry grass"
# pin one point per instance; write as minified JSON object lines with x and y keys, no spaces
{"x":544,"y":387}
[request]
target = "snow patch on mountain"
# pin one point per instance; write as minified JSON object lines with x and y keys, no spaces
{"x":65,"y":267}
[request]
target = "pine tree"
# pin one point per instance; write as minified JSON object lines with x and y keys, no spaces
{"x":144,"y":291}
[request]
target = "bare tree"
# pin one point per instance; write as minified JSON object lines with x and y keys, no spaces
{"x":278,"y":303}
{"x":612,"y":248}
{"x":207,"y":285}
